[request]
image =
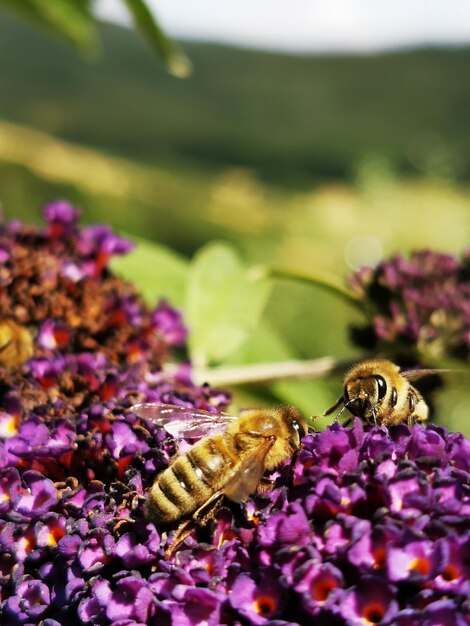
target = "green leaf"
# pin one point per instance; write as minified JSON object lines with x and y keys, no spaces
{"x":156,"y":271}
{"x":177,"y":62}
{"x":70,"y":19}
{"x":224,"y":303}
{"x":265,"y":344}
{"x":320,"y":279}
{"x":311,"y":397}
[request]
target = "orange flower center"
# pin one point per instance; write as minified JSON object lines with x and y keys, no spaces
{"x":420,"y":565}
{"x":54,"y":535}
{"x":322,"y":589}
{"x":265,"y":605}
{"x":379,"y":558}
{"x":450,"y":573}
{"x":9,"y":426}
{"x":227,"y":535}
{"x":373,"y":613}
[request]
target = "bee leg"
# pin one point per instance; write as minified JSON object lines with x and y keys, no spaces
{"x":334,"y":407}
{"x":201,"y":516}
{"x":348,"y":422}
{"x":183,"y":531}
{"x":265,"y":485}
{"x":4,"y":346}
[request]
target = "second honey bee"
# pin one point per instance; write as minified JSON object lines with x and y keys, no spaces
{"x":378,"y":392}
{"x":228,"y":462}
{"x":16,"y":343}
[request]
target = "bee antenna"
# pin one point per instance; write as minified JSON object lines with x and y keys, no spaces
{"x":344,"y":407}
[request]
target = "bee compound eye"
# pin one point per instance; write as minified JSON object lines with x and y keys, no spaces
{"x":346,"y":395}
{"x":381,"y":386}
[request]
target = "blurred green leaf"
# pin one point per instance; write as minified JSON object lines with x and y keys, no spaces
{"x":311,"y":397}
{"x":156,"y":271}
{"x":224,"y":303}
{"x":70,"y":19}
{"x":264,"y":344}
{"x":74,"y":21}
{"x":323,"y":280}
{"x":177,"y":62}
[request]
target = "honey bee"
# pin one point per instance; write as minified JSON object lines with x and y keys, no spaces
{"x":228,"y":462}
{"x":378,"y":392}
{"x":16,"y":343}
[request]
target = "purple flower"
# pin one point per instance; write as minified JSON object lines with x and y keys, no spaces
{"x":10,"y":485}
{"x":365,"y":525}
{"x":169,"y":324}
{"x":132,"y":599}
{"x":61,"y":212}
{"x":98,"y":244}
{"x":445,"y":611}
{"x":10,"y":417}
{"x":195,"y":606}
{"x":133,"y":553}
{"x":318,"y":583}
{"x":92,"y":609}
{"x":124,"y":441}
{"x":39,"y":498}
{"x":29,"y":603}
{"x":54,"y":335}
{"x":417,"y":560}
{"x":369,"y":602}
{"x":259,"y":601}
{"x":421,"y":302}
{"x":96,"y":551}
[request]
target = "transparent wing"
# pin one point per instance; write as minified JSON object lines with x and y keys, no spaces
{"x":248,"y":474}
{"x":183,"y":422}
{"x":421,"y":373}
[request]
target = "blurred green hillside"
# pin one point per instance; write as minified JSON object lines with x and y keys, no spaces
{"x":290,"y":118}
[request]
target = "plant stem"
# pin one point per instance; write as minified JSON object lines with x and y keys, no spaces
{"x":267,"y":372}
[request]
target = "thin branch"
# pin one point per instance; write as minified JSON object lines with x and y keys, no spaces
{"x":267,"y":372}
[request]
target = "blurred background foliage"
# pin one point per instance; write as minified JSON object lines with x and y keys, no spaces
{"x":318,"y":163}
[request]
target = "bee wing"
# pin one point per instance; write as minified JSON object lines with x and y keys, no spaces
{"x":247,"y":475}
{"x":183,"y":422}
{"x":412,"y":375}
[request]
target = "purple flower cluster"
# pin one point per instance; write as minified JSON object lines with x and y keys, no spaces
{"x":364,"y":526}
{"x":421,"y":303}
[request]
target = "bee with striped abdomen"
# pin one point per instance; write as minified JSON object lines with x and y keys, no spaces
{"x":228,"y":462}
{"x":378,"y":392}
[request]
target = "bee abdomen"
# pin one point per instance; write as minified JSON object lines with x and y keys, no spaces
{"x":209,"y":462}
{"x":177,"y":492}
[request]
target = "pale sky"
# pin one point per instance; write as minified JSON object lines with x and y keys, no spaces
{"x":311,"y":25}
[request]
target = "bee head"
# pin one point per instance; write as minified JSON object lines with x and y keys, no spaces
{"x":364,"y":396}
{"x":295,"y":423}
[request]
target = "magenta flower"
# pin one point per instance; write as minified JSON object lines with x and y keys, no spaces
{"x":421,"y":302}
{"x":39,"y":498}
{"x":169,"y":324}
{"x":131,"y":599}
{"x":258,"y":601}
{"x":416,"y":560}
{"x":30,"y":603}
{"x":369,"y":602}
{"x":61,"y":212}
{"x":54,"y":335}
{"x":365,"y":526}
